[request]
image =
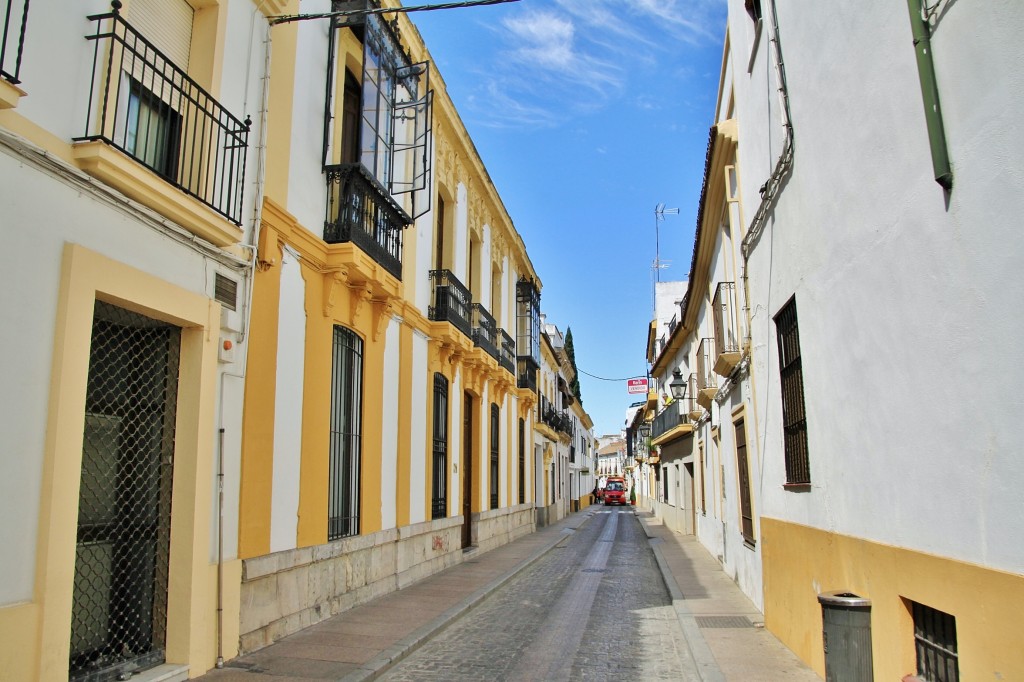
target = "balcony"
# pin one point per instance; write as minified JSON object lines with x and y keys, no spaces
{"x":146,"y":107}
{"x":556,"y":419}
{"x":15,"y":19}
{"x":507,"y":356}
{"x":451,"y":301}
{"x":695,"y":410}
{"x":485,"y":330}
{"x":707,"y":381}
{"x":526,"y":372}
{"x":671,"y":422}
{"x":361,"y":211}
{"x":727,"y":335}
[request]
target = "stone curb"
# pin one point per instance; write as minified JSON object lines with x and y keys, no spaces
{"x":707,"y":666}
{"x":380,"y":663}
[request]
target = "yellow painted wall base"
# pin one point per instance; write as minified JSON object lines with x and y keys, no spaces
{"x":801,"y":562}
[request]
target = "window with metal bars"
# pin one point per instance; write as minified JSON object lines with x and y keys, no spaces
{"x":119,"y":602}
{"x":743,"y":470}
{"x":935,"y":644}
{"x":346,"y":434}
{"x":794,"y":419}
{"x":495,"y":422}
{"x":522,"y":461}
{"x":439,"y":486}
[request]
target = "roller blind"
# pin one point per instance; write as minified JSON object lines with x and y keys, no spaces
{"x":165,"y":23}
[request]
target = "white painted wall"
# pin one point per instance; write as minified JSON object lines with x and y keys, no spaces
{"x":455,"y":399}
{"x":43,"y":209}
{"x":389,"y":425}
{"x":307,"y":185}
{"x":291,"y":358}
{"x":906,"y":298}
{"x":419,"y":438}
{"x":460,"y":247}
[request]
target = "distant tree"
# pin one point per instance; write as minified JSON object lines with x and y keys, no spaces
{"x":575,"y":385}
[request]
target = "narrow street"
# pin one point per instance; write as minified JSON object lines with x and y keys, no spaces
{"x":604,"y":575}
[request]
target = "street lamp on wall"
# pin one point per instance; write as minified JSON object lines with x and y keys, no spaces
{"x":677,"y":385}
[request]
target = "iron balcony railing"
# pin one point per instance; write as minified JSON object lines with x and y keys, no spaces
{"x":15,"y":21}
{"x":360,"y":211}
{"x":553,"y":417}
{"x":669,"y":418}
{"x":526,"y":372}
{"x":147,"y":107}
{"x":451,"y":301}
{"x":727,"y":337}
{"x":507,"y":352}
{"x":706,"y":377}
{"x":485,"y":330}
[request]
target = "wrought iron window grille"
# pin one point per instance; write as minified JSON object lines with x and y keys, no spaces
{"x":345,"y":455}
{"x":439,"y":484}
{"x":794,"y":415}
{"x":495,"y":441}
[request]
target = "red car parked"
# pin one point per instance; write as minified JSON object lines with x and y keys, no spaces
{"x":615,"y":492}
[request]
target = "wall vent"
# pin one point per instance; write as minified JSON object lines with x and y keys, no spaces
{"x":225,"y":291}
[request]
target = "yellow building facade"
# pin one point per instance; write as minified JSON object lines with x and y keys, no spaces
{"x":390,"y":402}
{"x":263,"y":375}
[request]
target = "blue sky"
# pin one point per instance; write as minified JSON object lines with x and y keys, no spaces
{"x":588,"y":114}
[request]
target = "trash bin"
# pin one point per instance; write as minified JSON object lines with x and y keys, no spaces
{"x":846,"y":631}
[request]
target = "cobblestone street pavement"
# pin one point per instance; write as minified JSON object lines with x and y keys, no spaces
{"x":594,"y":608}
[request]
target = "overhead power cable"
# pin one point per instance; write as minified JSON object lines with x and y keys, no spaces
{"x":289,"y":18}
{"x":594,"y":376}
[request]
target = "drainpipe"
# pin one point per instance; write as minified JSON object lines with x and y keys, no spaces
{"x":930,"y":95}
{"x":220,"y":544}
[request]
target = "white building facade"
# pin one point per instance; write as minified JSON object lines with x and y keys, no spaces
{"x":130,"y":156}
{"x":878,"y":254}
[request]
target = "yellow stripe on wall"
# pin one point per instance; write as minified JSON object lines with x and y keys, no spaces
{"x":801,"y":562}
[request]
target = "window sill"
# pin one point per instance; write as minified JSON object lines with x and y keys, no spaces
{"x":797,"y":487}
{"x":750,"y":544}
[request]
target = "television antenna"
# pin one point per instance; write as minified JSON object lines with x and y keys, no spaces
{"x":658,"y":265}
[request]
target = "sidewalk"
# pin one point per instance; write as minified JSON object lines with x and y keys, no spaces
{"x":362,"y":642}
{"x":722,"y":626}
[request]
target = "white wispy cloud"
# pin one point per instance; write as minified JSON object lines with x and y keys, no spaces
{"x":567,"y":56}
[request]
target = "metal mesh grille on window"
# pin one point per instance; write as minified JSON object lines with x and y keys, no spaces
{"x":119,"y":608}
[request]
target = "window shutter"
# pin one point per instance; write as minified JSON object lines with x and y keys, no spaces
{"x":165,"y":23}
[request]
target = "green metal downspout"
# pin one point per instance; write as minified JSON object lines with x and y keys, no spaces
{"x":930,"y":95}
